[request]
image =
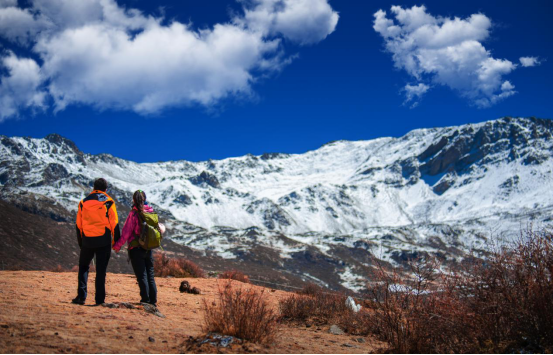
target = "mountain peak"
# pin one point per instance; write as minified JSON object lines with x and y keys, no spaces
{"x":59,"y":140}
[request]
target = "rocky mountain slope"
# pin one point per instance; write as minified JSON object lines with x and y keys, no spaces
{"x":323,"y":214}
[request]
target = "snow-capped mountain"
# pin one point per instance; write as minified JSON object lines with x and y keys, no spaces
{"x":439,"y":190}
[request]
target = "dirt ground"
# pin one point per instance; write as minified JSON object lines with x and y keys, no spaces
{"x":37,"y":316}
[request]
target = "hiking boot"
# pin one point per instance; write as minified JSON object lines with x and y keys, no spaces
{"x":78,"y":301}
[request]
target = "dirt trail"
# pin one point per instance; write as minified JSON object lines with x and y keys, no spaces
{"x":36,"y":316}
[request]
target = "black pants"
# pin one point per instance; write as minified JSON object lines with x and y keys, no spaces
{"x":102,"y":258}
{"x":143,"y":266}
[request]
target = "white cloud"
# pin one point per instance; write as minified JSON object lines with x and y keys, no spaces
{"x":303,"y":22}
{"x":8,"y":3}
{"x":20,"y":89}
{"x":445,"y":51}
{"x":19,"y":25}
{"x":413,"y":93}
{"x":529,"y":61}
{"x":98,"y":53}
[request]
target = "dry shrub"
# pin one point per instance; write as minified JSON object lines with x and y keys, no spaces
{"x":501,"y":304}
{"x":318,"y":305}
{"x":310,"y":289}
{"x":235,"y":275}
{"x":175,"y":267}
{"x":322,"y":306}
{"x":242,"y":313}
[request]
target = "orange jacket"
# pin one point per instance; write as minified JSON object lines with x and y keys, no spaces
{"x":97,"y":219}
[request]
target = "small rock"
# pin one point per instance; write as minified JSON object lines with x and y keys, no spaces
{"x":151,"y":340}
{"x":126,"y":305}
{"x":56,"y":333}
{"x":110,"y":305}
{"x":131,"y":337}
{"x":152,"y":309}
{"x":334,"y":329}
{"x":348,"y":345}
{"x":6,"y":326}
{"x":165,"y":341}
{"x":361,"y":340}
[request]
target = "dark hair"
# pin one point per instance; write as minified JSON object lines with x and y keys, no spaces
{"x":100,"y":184}
{"x":138,"y":199}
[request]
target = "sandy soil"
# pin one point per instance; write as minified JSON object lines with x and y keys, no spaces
{"x":36,"y":316}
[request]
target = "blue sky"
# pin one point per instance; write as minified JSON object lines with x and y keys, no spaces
{"x":331,"y":81}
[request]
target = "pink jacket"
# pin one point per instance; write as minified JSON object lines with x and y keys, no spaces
{"x":131,"y":228}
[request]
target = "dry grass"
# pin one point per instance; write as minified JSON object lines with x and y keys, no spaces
{"x":92,"y":268}
{"x":502,"y":304}
{"x":321,"y":307}
{"x":176,"y":267}
{"x":310,"y":289}
{"x":58,"y":268}
{"x":315,"y":304}
{"x":242,"y":313}
{"x":235,"y":275}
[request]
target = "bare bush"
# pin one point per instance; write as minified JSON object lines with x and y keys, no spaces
{"x":317,"y":304}
{"x":310,"y":289}
{"x":501,"y":304}
{"x":242,"y":313}
{"x":175,"y":267}
{"x":235,"y":275}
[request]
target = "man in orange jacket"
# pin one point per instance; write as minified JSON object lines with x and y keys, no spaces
{"x":97,"y":231}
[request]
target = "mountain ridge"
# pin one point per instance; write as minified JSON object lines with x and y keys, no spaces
{"x":431,"y":190}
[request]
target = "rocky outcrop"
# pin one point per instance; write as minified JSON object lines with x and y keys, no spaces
{"x":205,"y":179}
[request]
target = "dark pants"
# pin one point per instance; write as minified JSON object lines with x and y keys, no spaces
{"x":102,"y":259}
{"x":143,"y":266}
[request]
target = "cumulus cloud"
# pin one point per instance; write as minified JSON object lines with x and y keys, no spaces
{"x":20,"y":88}
{"x":303,"y":22}
{"x":7,"y":3}
{"x":529,"y":61}
{"x":98,"y":53}
{"x":19,"y":25}
{"x":445,"y":51}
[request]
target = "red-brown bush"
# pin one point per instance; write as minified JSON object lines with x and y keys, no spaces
{"x":310,"y":289}
{"x":322,"y":306}
{"x":242,"y":313}
{"x":501,"y":304}
{"x":175,"y":267}
{"x":235,"y":275}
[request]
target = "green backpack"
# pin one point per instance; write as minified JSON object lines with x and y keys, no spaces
{"x":150,"y":235}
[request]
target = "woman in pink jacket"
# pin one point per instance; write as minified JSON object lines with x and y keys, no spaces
{"x":141,"y":260}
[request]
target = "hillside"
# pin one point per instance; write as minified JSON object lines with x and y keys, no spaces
{"x":37,"y":317}
{"x":320,"y":216}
